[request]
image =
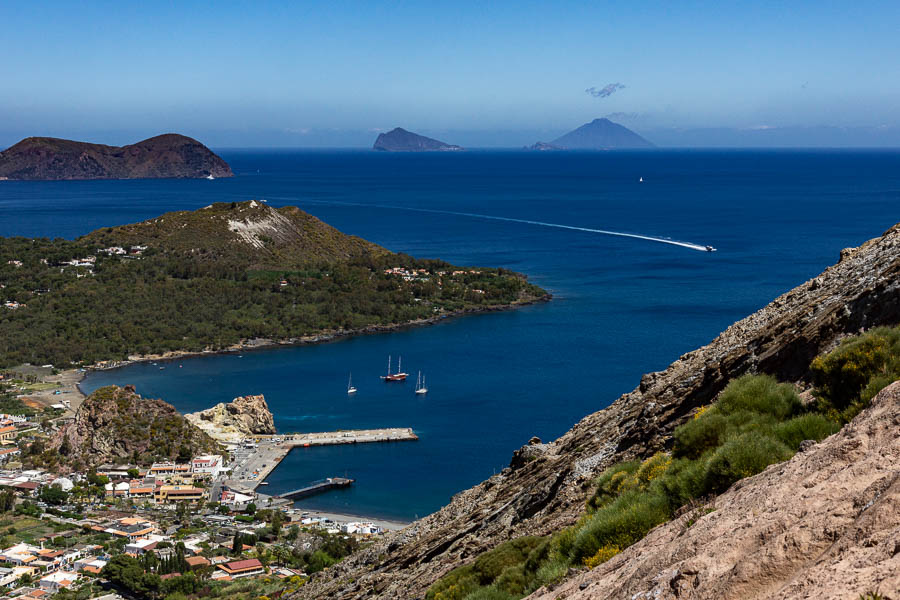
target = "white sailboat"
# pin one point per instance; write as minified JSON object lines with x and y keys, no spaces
{"x":350,"y":388}
{"x":420,"y":384}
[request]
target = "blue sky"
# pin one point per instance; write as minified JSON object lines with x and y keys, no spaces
{"x":332,"y":73}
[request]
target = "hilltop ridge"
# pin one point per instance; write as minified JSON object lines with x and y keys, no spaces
{"x":165,"y":156}
{"x":250,"y":233}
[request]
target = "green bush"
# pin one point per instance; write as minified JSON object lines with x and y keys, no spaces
{"x":847,"y":378}
{"x":759,"y":394}
{"x":699,"y":435}
{"x":607,"y":486}
{"x":741,"y":457}
{"x":812,"y":426}
{"x":621,"y":523}
{"x":486,"y":569}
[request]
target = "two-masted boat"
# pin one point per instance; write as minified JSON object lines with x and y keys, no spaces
{"x":399,"y":375}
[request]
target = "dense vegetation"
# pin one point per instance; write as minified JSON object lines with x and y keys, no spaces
{"x":756,"y":422}
{"x":197,"y":285}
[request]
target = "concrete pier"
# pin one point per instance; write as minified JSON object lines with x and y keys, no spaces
{"x":255,"y":464}
{"x":349,"y":436}
{"x":316,"y":487}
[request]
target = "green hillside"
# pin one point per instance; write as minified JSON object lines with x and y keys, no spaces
{"x":212,"y":278}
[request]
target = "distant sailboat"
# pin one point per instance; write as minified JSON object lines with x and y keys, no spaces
{"x":420,"y":384}
{"x":210,"y":176}
{"x":350,"y":388}
{"x":641,"y":180}
{"x":398,"y":376}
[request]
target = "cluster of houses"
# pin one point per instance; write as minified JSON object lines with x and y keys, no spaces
{"x":164,"y":483}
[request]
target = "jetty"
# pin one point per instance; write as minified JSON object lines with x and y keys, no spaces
{"x":256,"y":459}
{"x":348,"y":436}
{"x":317,"y":486}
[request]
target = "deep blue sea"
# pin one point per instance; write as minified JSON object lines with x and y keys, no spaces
{"x":622,"y":306}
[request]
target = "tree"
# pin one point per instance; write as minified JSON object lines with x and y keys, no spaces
{"x":277,"y":522}
{"x":251,"y":509}
{"x":134,"y":473}
{"x":7,"y":501}
{"x":127,"y":572}
{"x":53,"y":494}
{"x":237,"y":546}
{"x":293,"y":533}
{"x":98,"y":480}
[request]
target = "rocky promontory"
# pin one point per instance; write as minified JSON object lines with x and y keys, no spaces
{"x":116,"y":423}
{"x":164,"y":156}
{"x":401,"y":140}
{"x":545,"y":488}
{"x":233,"y":421}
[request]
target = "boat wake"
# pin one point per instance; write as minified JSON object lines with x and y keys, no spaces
{"x":636,"y":236}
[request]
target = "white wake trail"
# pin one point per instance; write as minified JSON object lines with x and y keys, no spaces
{"x":649,"y":238}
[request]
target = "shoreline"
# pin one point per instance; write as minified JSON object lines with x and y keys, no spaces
{"x":341,"y":518}
{"x":318,"y":338}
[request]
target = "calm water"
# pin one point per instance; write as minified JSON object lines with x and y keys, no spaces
{"x":622,"y":307}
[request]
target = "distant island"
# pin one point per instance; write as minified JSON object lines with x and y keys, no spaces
{"x":227,"y":275}
{"x":401,"y":140}
{"x":164,"y":156}
{"x":599,"y":134}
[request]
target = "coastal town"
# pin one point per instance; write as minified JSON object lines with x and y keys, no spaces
{"x":183,"y":525}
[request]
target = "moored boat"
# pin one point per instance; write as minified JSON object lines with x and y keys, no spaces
{"x":399,"y":375}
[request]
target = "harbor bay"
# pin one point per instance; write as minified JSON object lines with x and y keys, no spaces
{"x":621,"y":306}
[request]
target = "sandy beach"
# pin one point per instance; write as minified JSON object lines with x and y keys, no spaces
{"x":340,"y":518}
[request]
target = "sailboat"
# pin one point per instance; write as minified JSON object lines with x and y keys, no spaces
{"x":398,"y":376}
{"x":350,"y":388}
{"x":420,"y":384}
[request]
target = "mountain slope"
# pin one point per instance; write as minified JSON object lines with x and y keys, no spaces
{"x":545,"y":487}
{"x":825,"y":525}
{"x":401,"y":140}
{"x":251,"y":233}
{"x":164,"y":156}
{"x":599,"y":134}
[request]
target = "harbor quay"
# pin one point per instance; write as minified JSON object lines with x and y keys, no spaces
{"x":258,"y":456}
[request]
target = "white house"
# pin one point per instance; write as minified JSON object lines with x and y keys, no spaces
{"x":58,"y":580}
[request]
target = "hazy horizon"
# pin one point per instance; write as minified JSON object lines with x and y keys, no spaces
{"x":498,"y":75}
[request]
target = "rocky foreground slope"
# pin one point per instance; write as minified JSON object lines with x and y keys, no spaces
{"x":824,"y":525}
{"x":164,"y":156}
{"x":235,"y":420}
{"x":545,"y":486}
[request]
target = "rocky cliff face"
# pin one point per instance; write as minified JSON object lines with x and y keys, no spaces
{"x":238,"y":419}
{"x":115,"y":422}
{"x":825,"y":525}
{"x":164,"y":156}
{"x":545,"y":489}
